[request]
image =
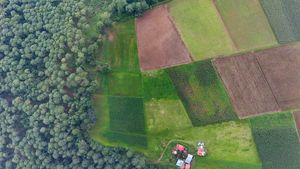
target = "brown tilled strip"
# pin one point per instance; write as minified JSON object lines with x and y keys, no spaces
{"x":233,"y":43}
{"x":264,"y":75}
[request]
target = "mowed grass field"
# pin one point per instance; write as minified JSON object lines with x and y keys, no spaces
{"x":246,"y":23}
{"x":202,"y":93}
{"x":277,"y":141}
{"x":284,"y":18}
{"x":201,"y":28}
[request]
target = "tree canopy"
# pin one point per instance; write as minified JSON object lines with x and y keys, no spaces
{"x":45,"y":91}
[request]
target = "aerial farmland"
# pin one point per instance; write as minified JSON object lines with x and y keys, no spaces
{"x":219,"y":72}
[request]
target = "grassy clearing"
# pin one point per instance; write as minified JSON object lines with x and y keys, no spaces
{"x":158,"y":85}
{"x":229,"y":141}
{"x":127,"y":114}
{"x":284,"y":18}
{"x":277,"y":141}
{"x":202,"y":93}
{"x":120,"y":48}
{"x":201,"y":28}
{"x":247,"y":23}
{"x":166,"y":115}
{"x":125,"y":84}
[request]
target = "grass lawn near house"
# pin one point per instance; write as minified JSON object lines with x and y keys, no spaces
{"x":201,"y":28}
{"x":246,"y":23}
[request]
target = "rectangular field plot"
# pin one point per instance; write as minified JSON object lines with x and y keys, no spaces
{"x":166,"y":115}
{"x":246,"y":23}
{"x":125,"y":84}
{"x":126,"y":114}
{"x":246,"y":84}
{"x":284,"y":18}
{"x":277,"y":141}
{"x":120,"y":48}
{"x":201,"y":28}
{"x":281,"y":68}
{"x":202,"y":93}
{"x":158,"y":85}
{"x":159,"y":43}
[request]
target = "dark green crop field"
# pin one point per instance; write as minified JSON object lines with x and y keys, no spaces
{"x":277,"y":141}
{"x":127,"y":114}
{"x":139,"y":141}
{"x":202,"y":93}
{"x":284,"y":17}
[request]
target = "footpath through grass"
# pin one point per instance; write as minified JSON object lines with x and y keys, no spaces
{"x":277,"y":141}
{"x":201,"y":28}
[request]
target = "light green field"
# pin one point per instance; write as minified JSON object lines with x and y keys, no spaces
{"x":166,"y":115}
{"x":125,"y":84}
{"x":246,"y":23}
{"x":201,"y":28}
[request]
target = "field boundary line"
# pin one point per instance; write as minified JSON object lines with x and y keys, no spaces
{"x":264,"y":75}
{"x":295,"y":123}
{"x":233,"y":43}
{"x":177,"y":32}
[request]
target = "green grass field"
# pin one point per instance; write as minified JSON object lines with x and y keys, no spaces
{"x":158,"y":85}
{"x":125,"y":84}
{"x":229,"y":141}
{"x":201,"y":28}
{"x":166,"y":115}
{"x":202,"y":93}
{"x":120,"y":49}
{"x":246,"y":23}
{"x":127,"y":114}
{"x":283,"y":16}
{"x":277,"y":141}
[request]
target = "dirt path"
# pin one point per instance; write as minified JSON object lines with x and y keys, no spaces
{"x":163,"y":152}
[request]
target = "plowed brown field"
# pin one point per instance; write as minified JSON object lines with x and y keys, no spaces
{"x":159,"y":44}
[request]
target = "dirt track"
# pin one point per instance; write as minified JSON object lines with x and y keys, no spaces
{"x":159,"y":44}
{"x":264,"y":81}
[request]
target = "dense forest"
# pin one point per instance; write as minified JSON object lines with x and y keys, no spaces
{"x":46,"y":89}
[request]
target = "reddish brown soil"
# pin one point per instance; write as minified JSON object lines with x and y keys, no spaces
{"x":281,"y":67}
{"x":297,"y":120}
{"x":159,"y":43}
{"x":264,"y":81}
{"x":247,"y":87}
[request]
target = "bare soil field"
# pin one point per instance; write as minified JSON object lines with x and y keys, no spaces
{"x":281,"y":68}
{"x":264,"y":81}
{"x":247,"y":87}
{"x":159,"y":44}
{"x":297,"y":120}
